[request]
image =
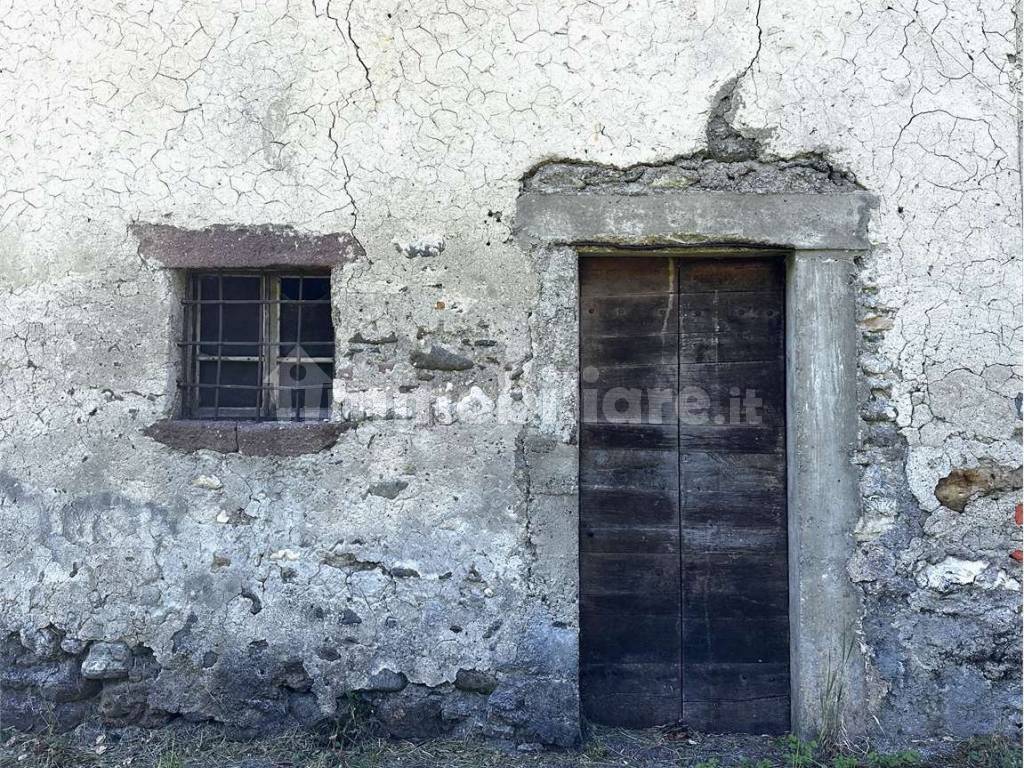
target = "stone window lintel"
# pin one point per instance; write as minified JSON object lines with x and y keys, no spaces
{"x":224,"y":246}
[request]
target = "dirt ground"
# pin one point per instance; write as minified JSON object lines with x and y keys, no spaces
{"x":199,"y":747}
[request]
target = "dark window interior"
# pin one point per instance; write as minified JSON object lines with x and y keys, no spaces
{"x":259,"y":346}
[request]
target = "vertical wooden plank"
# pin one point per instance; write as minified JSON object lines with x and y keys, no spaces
{"x":630,"y":632}
{"x":733,"y":546}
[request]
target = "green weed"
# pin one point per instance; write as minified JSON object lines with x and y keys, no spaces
{"x":906,"y":759}
{"x":799,"y":753}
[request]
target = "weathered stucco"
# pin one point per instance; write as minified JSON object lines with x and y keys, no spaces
{"x":425,"y":558}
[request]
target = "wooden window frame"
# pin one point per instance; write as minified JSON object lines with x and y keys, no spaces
{"x":268,"y":358}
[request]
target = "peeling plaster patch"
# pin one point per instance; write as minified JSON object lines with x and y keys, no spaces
{"x":475,"y":407}
{"x":422,"y":247}
{"x":208,"y":482}
{"x":960,"y":486}
{"x":951,"y":572}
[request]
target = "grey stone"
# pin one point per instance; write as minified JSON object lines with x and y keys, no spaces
{"x":373,"y":340}
{"x":706,"y":172}
{"x":475,"y":681}
{"x":386,"y":681}
{"x":882,"y":435}
{"x":877,"y":409}
{"x":293,"y":676}
{"x":415,"y":713}
{"x":27,"y":712}
{"x":545,"y":649}
{"x":388,"y":489}
{"x":437,"y":358}
{"x":304,"y":708}
{"x":55,"y":681}
{"x":540,"y":709}
{"x":871,"y":564}
{"x":874,"y":364}
{"x":44,"y":644}
{"x":107,"y":661}
{"x":123,"y":703}
{"x":972,"y":704}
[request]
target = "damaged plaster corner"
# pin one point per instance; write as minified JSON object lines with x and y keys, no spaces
{"x":962,"y":485}
{"x":724,"y":142}
{"x":425,"y":246}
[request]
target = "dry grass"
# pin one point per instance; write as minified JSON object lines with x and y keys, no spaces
{"x":202,"y":747}
{"x":199,"y":747}
{"x":832,"y":736}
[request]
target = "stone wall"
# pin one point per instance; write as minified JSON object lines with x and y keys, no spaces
{"x":424,"y":562}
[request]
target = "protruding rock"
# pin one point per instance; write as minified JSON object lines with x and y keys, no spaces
{"x":373,"y":339}
{"x":475,"y":681}
{"x":208,"y":482}
{"x":437,"y":358}
{"x":386,"y":681}
{"x":43,"y":643}
{"x":951,"y":572}
{"x":107,"y":661}
{"x":388,"y":489}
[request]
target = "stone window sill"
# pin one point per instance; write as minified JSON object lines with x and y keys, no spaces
{"x":247,"y":438}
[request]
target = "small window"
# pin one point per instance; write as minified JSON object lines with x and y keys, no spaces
{"x":258,"y":346}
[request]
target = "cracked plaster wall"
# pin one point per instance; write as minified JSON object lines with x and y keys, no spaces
{"x":259,"y":590}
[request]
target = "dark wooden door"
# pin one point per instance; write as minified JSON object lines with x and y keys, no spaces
{"x":683,"y":565}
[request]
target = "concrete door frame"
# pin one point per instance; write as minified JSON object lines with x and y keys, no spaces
{"x":823,"y":235}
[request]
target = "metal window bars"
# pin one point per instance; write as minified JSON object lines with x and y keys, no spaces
{"x":257,"y":346}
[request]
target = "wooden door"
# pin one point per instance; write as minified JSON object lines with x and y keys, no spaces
{"x":683,"y":566}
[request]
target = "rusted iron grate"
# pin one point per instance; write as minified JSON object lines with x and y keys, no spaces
{"x":257,"y":346}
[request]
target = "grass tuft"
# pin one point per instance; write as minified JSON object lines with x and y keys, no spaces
{"x":832,"y":735}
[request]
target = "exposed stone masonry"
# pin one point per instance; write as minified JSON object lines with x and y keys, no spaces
{"x":941,"y":592}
